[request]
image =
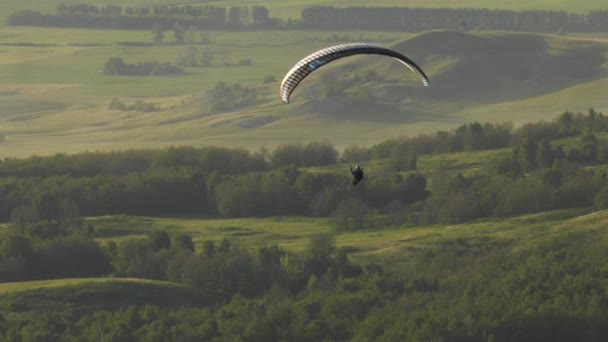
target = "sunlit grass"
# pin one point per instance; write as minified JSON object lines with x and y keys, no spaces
{"x":392,"y":246}
{"x":12,"y":287}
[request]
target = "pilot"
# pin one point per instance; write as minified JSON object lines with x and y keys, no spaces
{"x":357,"y":174}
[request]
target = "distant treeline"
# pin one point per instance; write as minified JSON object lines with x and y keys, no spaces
{"x":143,"y":18}
{"x":237,"y":183}
{"x":314,"y":17}
{"x":422,"y":19}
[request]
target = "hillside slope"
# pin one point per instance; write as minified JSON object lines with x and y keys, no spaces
{"x":465,"y":68}
{"x":80,"y":295}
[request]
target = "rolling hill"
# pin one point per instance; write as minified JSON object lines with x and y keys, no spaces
{"x":474,"y":69}
{"x":468,"y":71}
{"x":483,"y":76}
{"x":90,"y":294}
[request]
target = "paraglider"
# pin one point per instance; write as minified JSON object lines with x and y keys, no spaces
{"x":357,"y":174}
{"x":324,"y":56}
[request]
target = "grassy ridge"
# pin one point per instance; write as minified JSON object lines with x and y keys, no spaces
{"x":86,"y":295}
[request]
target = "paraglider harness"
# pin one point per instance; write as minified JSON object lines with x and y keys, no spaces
{"x":357,"y":173}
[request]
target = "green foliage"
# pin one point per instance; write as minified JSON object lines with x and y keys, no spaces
{"x":138,"y":106}
{"x":179,"y":34}
{"x":159,"y":240}
{"x":225,"y":98}
{"x":351,"y":214}
{"x":116,"y":66}
{"x":157,"y":34}
{"x":231,"y":183}
{"x":553,"y":285}
{"x":356,"y":154}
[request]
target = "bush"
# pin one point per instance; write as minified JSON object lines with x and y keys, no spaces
{"x":269,"y":79}
{"x":351,"y":214}
{"x":245,"y":61}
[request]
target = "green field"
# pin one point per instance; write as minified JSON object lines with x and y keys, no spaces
{"x":53,"y":97}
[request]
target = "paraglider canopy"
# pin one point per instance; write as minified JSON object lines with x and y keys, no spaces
{"x":317,"y":59}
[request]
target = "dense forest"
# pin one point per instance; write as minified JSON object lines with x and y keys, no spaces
{"x":553,"y":291}
{"x":314,"y":17}
{"x":223,"y":182}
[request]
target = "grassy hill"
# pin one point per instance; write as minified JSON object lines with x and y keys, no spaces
{"x":477,"y":68}
{"x":86,"y":295}
{"x":54,"y":99}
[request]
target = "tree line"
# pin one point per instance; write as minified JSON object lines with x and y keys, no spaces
{"x":314,"y":17}
{"x":144,"y":18}
{"x":423,"y":19}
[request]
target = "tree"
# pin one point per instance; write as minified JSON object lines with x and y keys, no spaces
{"x":16,"y":246}
{"x":22,"y":217}
{"x":179,"y":34}
{"x":544,"y":154}
{"x":259,"y":15}
{"x":159,"y":240}
{"x":526,"y":154}
{"x":351,"y":214}
{"x":157,"y":34}
{"x":320,"y":251}
{"x":356,"y":154}
{"x":589,"y":148}
{"x":209,"y":248}
{"x":114,"y":66}
{"x":601,"y":199}
{"x":184,"y":241}
{"x":206,"y":59}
